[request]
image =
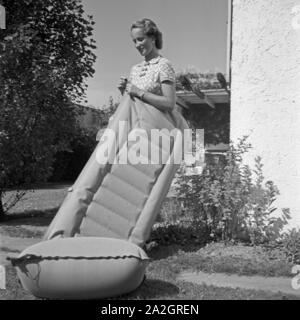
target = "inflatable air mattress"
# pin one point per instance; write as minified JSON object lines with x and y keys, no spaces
{"x":121,"y":200}
{"x":81,"y":268}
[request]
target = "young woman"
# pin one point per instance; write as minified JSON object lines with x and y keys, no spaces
{"x":153,"y":80}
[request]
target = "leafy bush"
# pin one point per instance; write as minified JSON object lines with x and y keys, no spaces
{"x":289,"y":244}
{"x":181,"y":232}
{"x":232,"y":200}
{"x":171,"y":211}
{"x":68,"y":164}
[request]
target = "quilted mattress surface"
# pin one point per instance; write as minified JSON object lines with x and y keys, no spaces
{"x":115,"y":200}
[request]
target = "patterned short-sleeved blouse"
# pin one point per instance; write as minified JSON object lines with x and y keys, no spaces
{"x":149,"y":75}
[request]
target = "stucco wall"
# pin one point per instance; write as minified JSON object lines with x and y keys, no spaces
{"x":266,"y":91}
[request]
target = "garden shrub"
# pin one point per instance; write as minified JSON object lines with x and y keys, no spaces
{"x":68,"y":164}
{"x":231,"y":200}
{"x":183,"y":232}
{"x":171,"y":210}
{"x":289,"y":245}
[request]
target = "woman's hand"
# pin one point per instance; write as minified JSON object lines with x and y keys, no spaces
{"x":164,"y":102}
{"x":133,"y":90}
{"x":122,"y":84}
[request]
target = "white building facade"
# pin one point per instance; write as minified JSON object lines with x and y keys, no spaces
{"x":265,"y":91}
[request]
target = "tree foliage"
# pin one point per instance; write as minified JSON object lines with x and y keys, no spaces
{"x":107,"y":112}
{"x":45,"y":56}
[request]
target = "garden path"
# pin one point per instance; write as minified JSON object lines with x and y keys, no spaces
{"x":274,"y":284}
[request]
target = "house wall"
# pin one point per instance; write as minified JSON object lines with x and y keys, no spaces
{"x":266,"y":91}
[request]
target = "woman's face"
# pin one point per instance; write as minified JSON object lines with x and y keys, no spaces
{"x":143,"y":43}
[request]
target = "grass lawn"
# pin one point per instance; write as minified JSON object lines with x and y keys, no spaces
{"x":33,"y":214}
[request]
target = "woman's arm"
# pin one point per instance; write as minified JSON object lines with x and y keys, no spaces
{"x":164,"y":102}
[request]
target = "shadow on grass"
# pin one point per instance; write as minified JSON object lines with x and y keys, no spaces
{"x":52,"y":185}
{"x":45,"y":186}
{"x":162,"y":252}
{"x":5,"y":249}
{"x":30,"y":217}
